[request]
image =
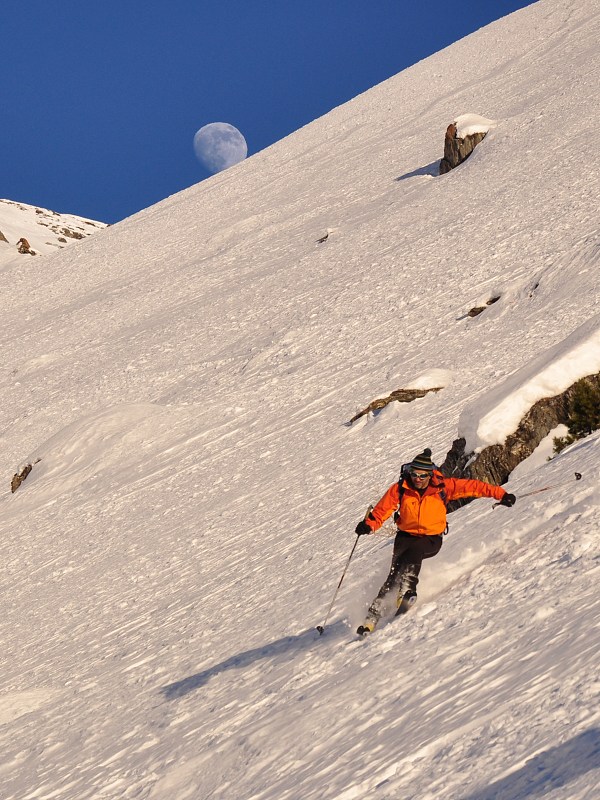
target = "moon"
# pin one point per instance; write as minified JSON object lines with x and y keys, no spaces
{"x":219,"y":146}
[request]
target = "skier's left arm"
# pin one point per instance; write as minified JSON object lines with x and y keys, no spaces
{"x":458,"y":488}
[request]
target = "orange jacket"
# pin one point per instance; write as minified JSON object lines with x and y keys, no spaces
{"x":425,"y":514}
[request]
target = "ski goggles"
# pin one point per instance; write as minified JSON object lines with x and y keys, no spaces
{"x":420,"y":476}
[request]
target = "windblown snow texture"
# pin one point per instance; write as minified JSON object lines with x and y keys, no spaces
{"x":184,"y":378}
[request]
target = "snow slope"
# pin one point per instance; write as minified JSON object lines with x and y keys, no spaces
{"x":46,"y":231}
{"x":181,"y":386}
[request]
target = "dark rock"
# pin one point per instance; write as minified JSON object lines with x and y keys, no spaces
{"x":457,"y":150}
{"x":474,"y":312}
{"x":24,"y":247}
{"x":71,"y":233}
{"x":19,"y":477}
{"x":399,"y":396}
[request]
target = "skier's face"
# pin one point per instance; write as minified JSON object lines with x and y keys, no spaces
{"x":419,"y":478}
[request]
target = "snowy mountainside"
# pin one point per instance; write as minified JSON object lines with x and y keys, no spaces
{"x":195,"y":488}
{"x":45,"y":231}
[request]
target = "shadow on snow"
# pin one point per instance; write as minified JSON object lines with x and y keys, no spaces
{"x":431,"y":169}
{"x":283,"y":649}
{"x":547,"y":771}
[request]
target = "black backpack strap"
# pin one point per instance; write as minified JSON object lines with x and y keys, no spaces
{"x":444,"y":498}
{"x":401,"y":491}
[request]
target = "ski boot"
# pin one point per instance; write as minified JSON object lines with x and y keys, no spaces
{"x":367,"y":627}
{"x":373,"y":617}
{"x":406,"y":602}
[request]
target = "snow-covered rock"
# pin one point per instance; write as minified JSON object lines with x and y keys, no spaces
{"x":462,"y":137}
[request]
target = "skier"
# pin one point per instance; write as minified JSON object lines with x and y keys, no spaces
{"x":418,"y":501}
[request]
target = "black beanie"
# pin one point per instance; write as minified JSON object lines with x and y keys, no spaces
{"x":423,"y":461}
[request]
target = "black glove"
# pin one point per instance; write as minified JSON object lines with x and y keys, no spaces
{"x":362,"y":528}
{"x":508,"y":500}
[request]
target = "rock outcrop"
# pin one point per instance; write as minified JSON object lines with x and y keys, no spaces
{"x":477,"y":310}
{"x":495,"y":463}
{"x":35,"y":231}
{"x":399,"y":396}
{"x":24,"y":247}
{"x":457,"y":149}
{"x":19,"y":477}
{"x":462,"y":137}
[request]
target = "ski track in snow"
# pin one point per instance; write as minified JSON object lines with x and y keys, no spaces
{"x":184,"y":379}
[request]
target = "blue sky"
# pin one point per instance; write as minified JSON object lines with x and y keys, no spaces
{"x":101,"y":101}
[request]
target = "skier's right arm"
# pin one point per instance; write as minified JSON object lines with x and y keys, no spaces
{"x":382,"y":511}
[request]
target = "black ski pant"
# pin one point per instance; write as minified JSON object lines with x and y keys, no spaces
{"x":408,"y":555}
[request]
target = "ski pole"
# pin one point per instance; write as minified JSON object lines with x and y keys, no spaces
{"x":578,"y":477}
{"x":321,"y":628}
